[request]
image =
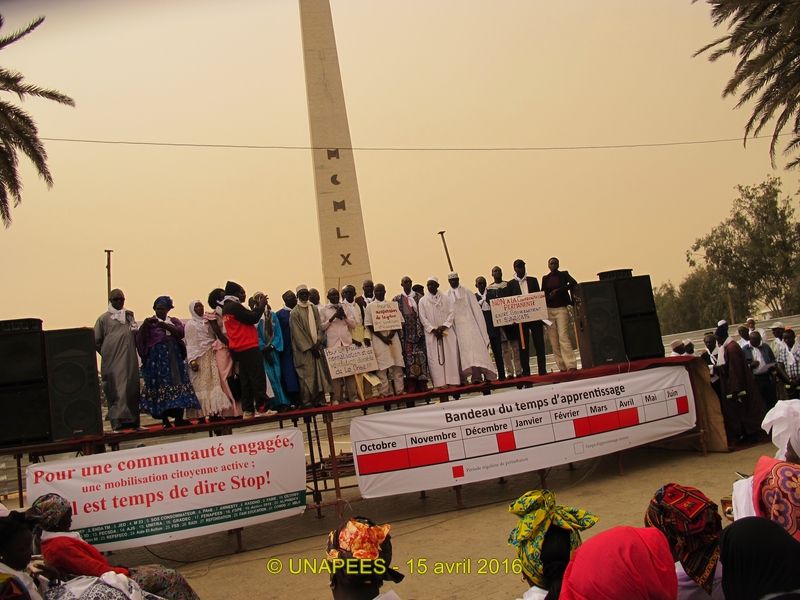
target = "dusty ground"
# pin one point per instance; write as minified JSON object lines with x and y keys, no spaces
{"x":434,"y":530}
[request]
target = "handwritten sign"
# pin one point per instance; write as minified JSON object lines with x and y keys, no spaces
{"x":386,"y":318}
{"x":518,"y":309}
{"x":350,"y":360}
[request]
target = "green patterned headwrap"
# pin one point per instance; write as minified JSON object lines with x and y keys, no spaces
{"x":537,"y":511}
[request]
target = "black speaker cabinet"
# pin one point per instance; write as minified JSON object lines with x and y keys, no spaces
{"x":26,"y":415}
{"x":73,"y":384}
{"x":599,"y":330}
{"x":635,"y":296}
{"x":21,"y":357}
{"x":642,"y":335}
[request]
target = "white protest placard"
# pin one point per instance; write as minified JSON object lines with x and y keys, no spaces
{"x":349,"y":360}
{"x":185,"y":489}
{"x":387,"y":318}
{"x":518,"y":309}
{"x":487,"y":437}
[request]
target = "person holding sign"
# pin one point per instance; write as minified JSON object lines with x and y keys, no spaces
{"x":523,"y":284}
{"x":360,"y":337}
{"x":484,"y":295}
{"x":338,"y":324}
{"x":436,"y":314}
{"x":470,"y":327}
{"x":304,"y":323}
{"x":386,"y":342}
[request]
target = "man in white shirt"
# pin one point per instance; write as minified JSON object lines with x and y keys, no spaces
{"x":470,"y":328}
{"x":387,"y":345}
{"x":436,"y":314}
{"x":338,"y":322}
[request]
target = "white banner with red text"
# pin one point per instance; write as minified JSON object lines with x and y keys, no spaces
{"x":487,"y":437}
{"x":185,"y":489}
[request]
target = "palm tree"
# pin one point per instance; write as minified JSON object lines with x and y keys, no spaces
{"x":18,"y":131}
{"x":765,"y":36}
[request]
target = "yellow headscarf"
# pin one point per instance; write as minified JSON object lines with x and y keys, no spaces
{"x":537,"y":511}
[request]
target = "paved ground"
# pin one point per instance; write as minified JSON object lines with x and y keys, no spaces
{"x":434,"y":530}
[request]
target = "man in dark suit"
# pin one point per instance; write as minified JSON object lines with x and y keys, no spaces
{"x":521,"y":283}
{"x":484,"y":296}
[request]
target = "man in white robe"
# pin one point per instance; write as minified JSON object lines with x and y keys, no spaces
{"x":338,"y":323}
{"x":473,"y":339}
{"x":436,"y":314}
{"x":387,"y":345}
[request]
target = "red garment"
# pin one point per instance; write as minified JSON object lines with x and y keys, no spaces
{"x":776,"y":493}
{"x":241,"y":336}
{"x":76,"y":557}
{"x":623,"y":562}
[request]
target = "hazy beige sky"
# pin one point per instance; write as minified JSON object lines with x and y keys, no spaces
{"x":417,"y":73}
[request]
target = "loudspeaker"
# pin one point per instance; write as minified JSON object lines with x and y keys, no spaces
{"x":600,"y":338}
{"x":642,"y":335}
{"x":72,"y":381}
{"x":635,"y":296}
{"x":26,"y":415}
{"x":21,"y":357}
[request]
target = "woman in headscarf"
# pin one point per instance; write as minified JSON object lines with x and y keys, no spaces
{"x":622,"y":563}
{"x":270,"y":342}
{"x":545,"y":537}
{"x":758,"y":558}
{"x":66,"y":551}
{"x":692,"y":525}
{"x":360,"y":553}
{"x":203,"y":370}
{"x":167,"y":391}
{"x":221,"y":353}
{"x":776,"y":493}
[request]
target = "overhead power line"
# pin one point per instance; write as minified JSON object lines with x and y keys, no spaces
{"x":404,"y":148}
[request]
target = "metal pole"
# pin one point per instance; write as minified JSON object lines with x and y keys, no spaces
{"x":108,"y":270}
{"x":447,"y":253}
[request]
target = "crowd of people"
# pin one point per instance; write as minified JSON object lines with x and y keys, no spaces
{"x":748,"y":375}
{"x":236,"y":356}
{"x":682,"y":552}
{"x":69,"y":568}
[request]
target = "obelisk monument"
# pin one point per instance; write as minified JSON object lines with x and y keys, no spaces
{"x":343,"y":241}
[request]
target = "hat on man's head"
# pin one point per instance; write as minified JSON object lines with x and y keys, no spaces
{"x":675,"y":343}
{"x":519,"y":263}
{"x":432,"y":278}
{"x":165,"y":301}
{"x":300,"y":288}
{"x":452,"y":275}
{"x":722,"y":329}
{"x":777,"y":325}
{"x":232,"y":288}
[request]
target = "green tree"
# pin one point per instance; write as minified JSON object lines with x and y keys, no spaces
{"x":756,"y":248}
{"x":699,"y":302}
{"x":668,"y":307}
{"x":18,"y":131}
{"x":765,"y":37}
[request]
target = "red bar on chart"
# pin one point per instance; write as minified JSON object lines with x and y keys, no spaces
{"x":379,"y":462}
{"x":434,"y":454}
{"x":506,"y":441}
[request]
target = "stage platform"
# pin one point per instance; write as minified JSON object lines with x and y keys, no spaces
{"x":326,"y":466}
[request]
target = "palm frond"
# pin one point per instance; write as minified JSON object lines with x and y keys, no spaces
{"x":764,"y":35}
{"x":10,"y":39}
{"x":18,"y":131}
